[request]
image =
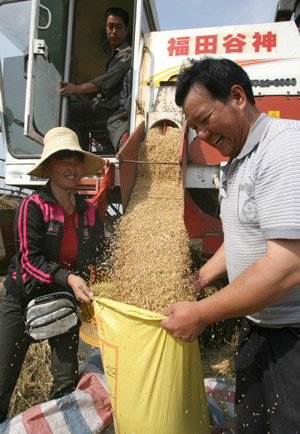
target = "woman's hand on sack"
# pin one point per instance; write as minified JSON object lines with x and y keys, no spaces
{"x":81,"y":291}
{"x":183,"y":321}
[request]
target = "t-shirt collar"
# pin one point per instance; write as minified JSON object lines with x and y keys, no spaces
{"x":107,"y":48}
{"x":254,"y":135}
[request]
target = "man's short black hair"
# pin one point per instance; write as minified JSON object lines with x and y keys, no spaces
{"x":217,"y":75}
{"x":117,"y":12}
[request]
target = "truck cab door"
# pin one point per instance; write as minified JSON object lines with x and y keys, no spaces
{"x":44,"y":66}
{"x":3,"y":116}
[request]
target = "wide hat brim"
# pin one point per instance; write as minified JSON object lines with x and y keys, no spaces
{"x":65,"y":139}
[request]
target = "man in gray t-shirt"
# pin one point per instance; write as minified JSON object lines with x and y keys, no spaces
{"x":260,"y":213}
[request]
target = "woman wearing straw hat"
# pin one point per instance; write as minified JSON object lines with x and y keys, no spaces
{"x":58,"y":235}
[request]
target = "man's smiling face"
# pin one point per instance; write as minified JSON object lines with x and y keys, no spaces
{"x":218,"y":124}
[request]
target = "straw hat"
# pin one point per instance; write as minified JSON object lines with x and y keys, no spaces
{"x":64,"y":139}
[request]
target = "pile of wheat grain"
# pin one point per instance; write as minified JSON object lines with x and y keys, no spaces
{"x":150,"y":255}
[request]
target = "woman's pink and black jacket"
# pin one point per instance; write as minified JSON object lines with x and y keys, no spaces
{"x":39,"y":225}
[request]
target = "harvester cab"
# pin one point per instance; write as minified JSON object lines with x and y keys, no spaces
{"x":66,"y":41}
{"x":53,"y":42}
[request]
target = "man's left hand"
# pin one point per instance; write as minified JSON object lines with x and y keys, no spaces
{"x":183,"y":321}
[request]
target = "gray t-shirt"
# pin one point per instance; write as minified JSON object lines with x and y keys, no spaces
{"x":260,"y":200}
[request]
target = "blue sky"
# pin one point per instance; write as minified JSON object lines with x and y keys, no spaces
{"x":183,"y":14}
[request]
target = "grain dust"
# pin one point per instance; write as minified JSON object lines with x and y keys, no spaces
{"x":150,"y":255}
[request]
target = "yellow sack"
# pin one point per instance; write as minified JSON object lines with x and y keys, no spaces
{"x":154,"y":380}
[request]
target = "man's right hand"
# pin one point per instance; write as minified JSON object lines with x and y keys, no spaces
{"x":69,"y":89}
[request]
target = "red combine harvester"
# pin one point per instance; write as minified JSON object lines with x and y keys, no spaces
{"x":64,"y":42}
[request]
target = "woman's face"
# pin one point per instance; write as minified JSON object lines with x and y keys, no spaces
{"x":65,"y":173}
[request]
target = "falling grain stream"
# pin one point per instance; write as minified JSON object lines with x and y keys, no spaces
{"x":150,"y":255}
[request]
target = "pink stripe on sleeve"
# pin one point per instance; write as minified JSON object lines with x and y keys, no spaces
{"x":47,"y":278}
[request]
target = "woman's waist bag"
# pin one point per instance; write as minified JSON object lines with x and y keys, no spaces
{"x":51,"y":315}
